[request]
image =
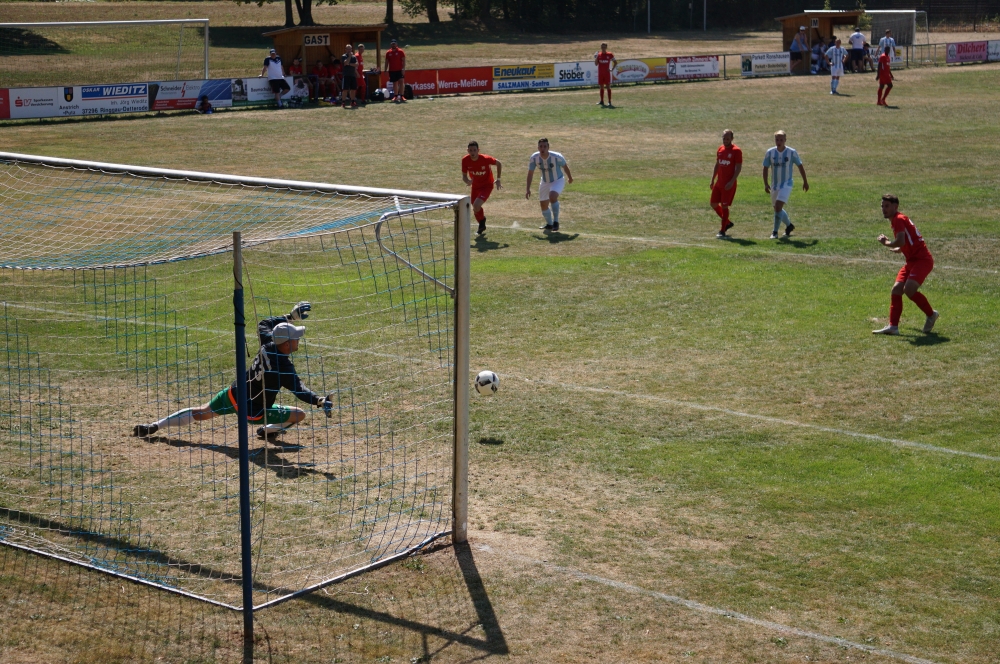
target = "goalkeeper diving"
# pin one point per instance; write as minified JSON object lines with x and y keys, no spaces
{"x":271,"y":370}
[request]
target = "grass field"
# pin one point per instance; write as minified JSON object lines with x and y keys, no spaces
{"x":684,"y":424}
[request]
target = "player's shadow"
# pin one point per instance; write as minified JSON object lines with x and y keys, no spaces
{"x":262,"y":457}
{"x":490,"y":440}
{"x":482,"y":244}
{"x":799,"y":244}
{"x":556,"y":237}
{"x":739,"y":241}
{"x":929,"y":339}
{"x":891,"y":108}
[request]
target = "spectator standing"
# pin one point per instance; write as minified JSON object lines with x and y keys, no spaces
{"x":395,"y":64}
{"x":350,"y":62}
{"x":799,"y":46}
{"x":336,"y":70}
{"x":362,"y":83}
{"x":275,"y":73}
{"x":857,"y":40}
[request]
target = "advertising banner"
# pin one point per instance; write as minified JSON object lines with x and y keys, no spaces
{"x":421,"y":81}
{"x":523,"y":77}
{"x":103,"y":99}
{"x":635,"y":71}
{"x":171,"y":95}
{"x":465,"y":79}
{"x":570,"y":74}
{"x":993,"y":51}
{"x":253,"y":90}
{"x":4,"y":104}
{"x":766,"y":64}
{"x":692,"y":67}
{"x":976,"y":51}
{"x":33,"y":103}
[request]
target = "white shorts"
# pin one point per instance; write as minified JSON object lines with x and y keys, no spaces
{"x":545,"y":187}
{"x":837,"y":71}
{"x":781,"y":193}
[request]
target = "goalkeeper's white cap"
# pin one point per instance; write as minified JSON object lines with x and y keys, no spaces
{"x":283,"y":332}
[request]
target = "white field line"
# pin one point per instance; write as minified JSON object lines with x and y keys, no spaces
{"x":725,"y":613}
{"x":599,"y":390}
{"x":763,"y":418}
{"x":723,"y":245}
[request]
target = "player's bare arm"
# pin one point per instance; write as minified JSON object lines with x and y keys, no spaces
{"x":767,"y":187}
{"x":736,"y":175}
{"x":895,"y":244}
{"x":527,"y":193}
{"x":499,"y":171}
{"x":569,"y":176}
{"x":805,"y":182}
{"x":715,"y":174}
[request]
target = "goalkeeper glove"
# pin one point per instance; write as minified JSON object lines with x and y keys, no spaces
{"x":328,"y":407}
{"x":300,"y":311}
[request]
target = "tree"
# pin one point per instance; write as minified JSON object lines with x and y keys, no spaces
{"x":417,"y":7}
{"x":303,"y":7}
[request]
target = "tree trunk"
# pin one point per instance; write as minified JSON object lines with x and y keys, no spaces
{"x":388,"y":12}
{"x":504,"y":7}
{"x":484,"y":13}
{"x":305,"y":12}
{"x":432,"y":11}
{"x":289,"y":15}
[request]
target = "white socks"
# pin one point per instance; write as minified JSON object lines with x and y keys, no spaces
{"x":181,"y":418}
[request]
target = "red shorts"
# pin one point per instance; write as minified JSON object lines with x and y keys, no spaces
{"x":885,"y":80}
{"x":720,"y":195}
{"x":917,"y":270}
{"x":482,"y":192}
{"x":603,"y":77}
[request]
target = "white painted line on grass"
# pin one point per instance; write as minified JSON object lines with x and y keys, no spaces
{"x":763,"y":418}
{"x":723,"y":245}
{"x":725,"y":613}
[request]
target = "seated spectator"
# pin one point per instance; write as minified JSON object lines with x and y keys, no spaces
{"x":295,"y":71}
{"x":869,"y":64}
{"x":203,"y":105}
{"x":324,"y":84}
{"x":819,"y":62}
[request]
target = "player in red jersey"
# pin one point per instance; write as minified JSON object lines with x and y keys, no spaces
{"x":605,"y":61}
{"x":884,"y":76}
{"x":919,"y":264}
{"x":476,"y":171}
{"x":395,"y":65}
{"x":728,"y":164}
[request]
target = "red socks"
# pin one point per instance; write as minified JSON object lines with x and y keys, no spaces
{"x":921,"y":301}
{"x":480,"y":215}
{"x":895,"y":309}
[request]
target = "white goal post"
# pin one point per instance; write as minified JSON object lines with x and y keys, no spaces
{"x":129,"y":51}
{"x":902,"y":22}
{"x":121,"y":290}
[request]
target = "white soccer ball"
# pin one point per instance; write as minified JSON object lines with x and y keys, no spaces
{"x":487,"y":383}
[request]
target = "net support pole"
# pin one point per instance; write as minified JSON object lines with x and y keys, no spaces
{"x":206,"y":49}
{"x":460,"y":474}
{"x":244,"y":444}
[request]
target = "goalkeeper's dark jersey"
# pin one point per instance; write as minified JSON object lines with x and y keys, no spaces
{"x":272,"y":371}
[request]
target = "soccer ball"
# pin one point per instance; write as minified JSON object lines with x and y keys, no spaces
{"x":487,"y":382}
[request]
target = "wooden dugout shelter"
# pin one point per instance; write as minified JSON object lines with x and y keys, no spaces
{"x":820,"y":24}
{"x":317,"y":42}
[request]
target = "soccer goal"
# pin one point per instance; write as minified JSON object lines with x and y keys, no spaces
{"x":127,"y":294}
{"x":907,"y":25}
{"x":95,"y":52}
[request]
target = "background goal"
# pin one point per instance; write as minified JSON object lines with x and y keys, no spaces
{"x":95,"y":52}
{"x":118,"y":301}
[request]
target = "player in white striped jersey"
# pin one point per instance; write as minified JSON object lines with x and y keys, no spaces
{"x":835,"y":57}
{"x":551,"y":165}
{"x":887,"y":41}
{"x":780,"y":160}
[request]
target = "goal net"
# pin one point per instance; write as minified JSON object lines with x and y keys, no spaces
{"x":117,"y":309}
{"x":902,"y":22}
{"x":96,"y":52}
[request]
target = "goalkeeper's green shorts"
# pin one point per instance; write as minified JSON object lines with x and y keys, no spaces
{"x":224,"y":403}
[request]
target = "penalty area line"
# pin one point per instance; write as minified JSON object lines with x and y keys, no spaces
{"x":899,"y":442}
{"x":724,"y":613}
